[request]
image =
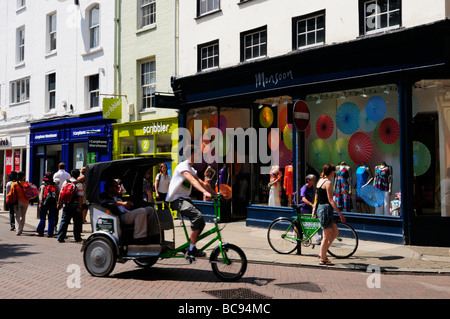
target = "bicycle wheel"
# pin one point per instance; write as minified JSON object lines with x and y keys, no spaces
{"x":346,"y":243}
{"x":236,"y":266}
{"x":283,"y":236}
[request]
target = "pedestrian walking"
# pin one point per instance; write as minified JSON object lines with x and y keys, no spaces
{"x":21,"y":206}
{"x":12,"y":218}
{"x":325,"y":208}
{"x":48,"y":200}
{"x":61,"y":174}
{"x":162,"y":182}
{"x":71,"y":200}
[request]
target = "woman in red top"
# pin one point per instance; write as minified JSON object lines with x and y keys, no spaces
{"x":21,"y":206}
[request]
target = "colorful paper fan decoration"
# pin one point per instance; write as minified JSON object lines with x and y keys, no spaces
{"x":387,"y":148}
{"x":339,"y":152}
{"x":219,"y":121}
{"x":389,"y":131}
{"x":372,"y":195}
{"x":287,"y":136}
{"x":225,"y":190}
{"x":282,"y":117}
{"x":273,"y":139}
{"x":365,"y":123}
{"x":266,"y":117}
{"x":319,"y":154}
{"x":360,"y":148}
{"x":421,"y":158}
{"x":308,"y":130}
{"x":190,"y":126}
{"x":376,"y":108}
{"x":285,"y":156}
{"x":347,"y":118}
{"x":324,"y":127}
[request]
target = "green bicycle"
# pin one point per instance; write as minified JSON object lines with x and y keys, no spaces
{"x":286,"y":235}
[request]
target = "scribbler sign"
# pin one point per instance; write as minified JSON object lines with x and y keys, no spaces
{"x":112,"y":108}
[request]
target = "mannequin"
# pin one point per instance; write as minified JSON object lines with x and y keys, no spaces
{"x":224,"y":177}
{"x":364,"y":177}
{"x":288,"y":183}
{"x":275,"y":186}
{"x":383,"y":181}
{"x":342,"y":183}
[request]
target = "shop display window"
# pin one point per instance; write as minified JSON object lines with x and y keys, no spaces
{"x":127,"y":145}
{"x":430,"y":129}
{"x":358,"y":131}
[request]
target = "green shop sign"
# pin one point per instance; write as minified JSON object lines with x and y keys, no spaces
{"x":112,"y":108}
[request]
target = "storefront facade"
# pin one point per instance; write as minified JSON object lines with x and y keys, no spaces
{"x":147,"y":138}
{"x":378,"y":109}
{"x":76,"y":141}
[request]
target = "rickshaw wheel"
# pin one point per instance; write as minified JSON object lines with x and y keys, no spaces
{"x":146,"y":262}
{"x":99,"y":257}
{"x":233,"y":270}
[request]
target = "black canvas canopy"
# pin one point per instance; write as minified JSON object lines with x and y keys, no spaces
{"x":130,"y":171}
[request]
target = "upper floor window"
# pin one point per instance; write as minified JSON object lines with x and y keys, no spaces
{"x":208,"y":56}
{"x":309,"y":30}
{"x":205,"y":6}
{"x":94,"y":27}
{"x":254,"y":44}
{"x":20,"y":91}
{"x":20,"y":49}
{"x":379,"y":15}
{"x":51,"y":91}
{"x":147,"y":12}
{"x":21,"y":4}
{"x":51,"y":37}
{"x":94,"y":90}
{"x":148,"y":84}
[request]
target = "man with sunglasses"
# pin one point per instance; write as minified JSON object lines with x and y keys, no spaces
{"x":145,"y":221}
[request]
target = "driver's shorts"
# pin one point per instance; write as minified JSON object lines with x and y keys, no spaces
{"x":187,"y":208}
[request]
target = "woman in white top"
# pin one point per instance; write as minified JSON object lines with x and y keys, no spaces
{"x":162,"y":182}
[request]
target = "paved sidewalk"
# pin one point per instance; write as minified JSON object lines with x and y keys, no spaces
{"x":253,"y":240}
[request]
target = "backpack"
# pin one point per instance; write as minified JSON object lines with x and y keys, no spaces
{"x":29,"y":190}
{"x":11,"y":197}
{"x":49,"y":197}
{"x":68,"y":192}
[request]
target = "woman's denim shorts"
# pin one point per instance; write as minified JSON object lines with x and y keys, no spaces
{"x":325,"y":215}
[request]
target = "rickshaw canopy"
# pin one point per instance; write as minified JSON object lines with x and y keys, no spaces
{"x":130,"y":171}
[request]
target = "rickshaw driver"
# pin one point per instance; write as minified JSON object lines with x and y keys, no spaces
{"x":146,"y":229}
{"x":184,"y":177}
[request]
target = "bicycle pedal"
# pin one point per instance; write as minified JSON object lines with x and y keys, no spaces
{"x":190,"y":260}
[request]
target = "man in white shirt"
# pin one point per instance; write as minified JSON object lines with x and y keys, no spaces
{"x":61,"y":173}
{"x":184,"y":177}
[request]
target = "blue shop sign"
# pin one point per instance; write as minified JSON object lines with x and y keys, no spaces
{"x":87,"y":131}
{"x":46,"y":136}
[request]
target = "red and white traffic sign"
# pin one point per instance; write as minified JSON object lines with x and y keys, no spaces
{"x":301,"y":115}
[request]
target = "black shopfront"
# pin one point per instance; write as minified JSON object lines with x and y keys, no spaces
{"x":407,"y":70}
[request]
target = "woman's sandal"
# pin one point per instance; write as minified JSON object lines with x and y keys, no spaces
{"x":326,"y":262}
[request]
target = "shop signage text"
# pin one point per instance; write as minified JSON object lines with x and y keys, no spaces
{"x":4,"y":142}
{"x":156,"y":128}
{"x":112,"y":108}
{"x":46,"y":136}
{"x":272,"y":79}
{"x":98,"y":144}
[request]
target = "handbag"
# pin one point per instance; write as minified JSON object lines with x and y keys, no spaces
{"x":30,"y":190}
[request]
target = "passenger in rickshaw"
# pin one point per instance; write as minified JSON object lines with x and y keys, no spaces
{"x":184,"y":177}
{"x":146,"y":228}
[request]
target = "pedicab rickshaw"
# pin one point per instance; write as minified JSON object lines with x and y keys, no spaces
{"x":111,"y":241}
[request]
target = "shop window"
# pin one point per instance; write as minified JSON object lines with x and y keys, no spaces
{"x":430,"y":129}
{"x":146,"y":144}
{"x":359,"y":132}
{"x":163,"y":143}
{"x":127,"y":146}
{"x":379,"y":15}
{"x":309,"y":30}
{"x":254,"y":44}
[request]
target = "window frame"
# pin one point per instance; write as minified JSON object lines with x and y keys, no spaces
{"x":20,"y":45}
{"x":91,"y":91}
{"x":94,"y":29}
{"x":201,"y":57}
{"x":51,"y":92}
{"x":207,"y":10}
{"x":51,"y":32}
{"x":252,"y":32}
{"x":296,"y":33}
{"x":147,"y":102}
{"x":17,"y":89}
{"x":363,"y":18}
{"x":142,"y":6}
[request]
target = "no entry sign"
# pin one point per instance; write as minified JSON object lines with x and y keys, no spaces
{"x":301,"y":115}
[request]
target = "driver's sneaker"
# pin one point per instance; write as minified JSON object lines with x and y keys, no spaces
{"x":195,"y":253}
